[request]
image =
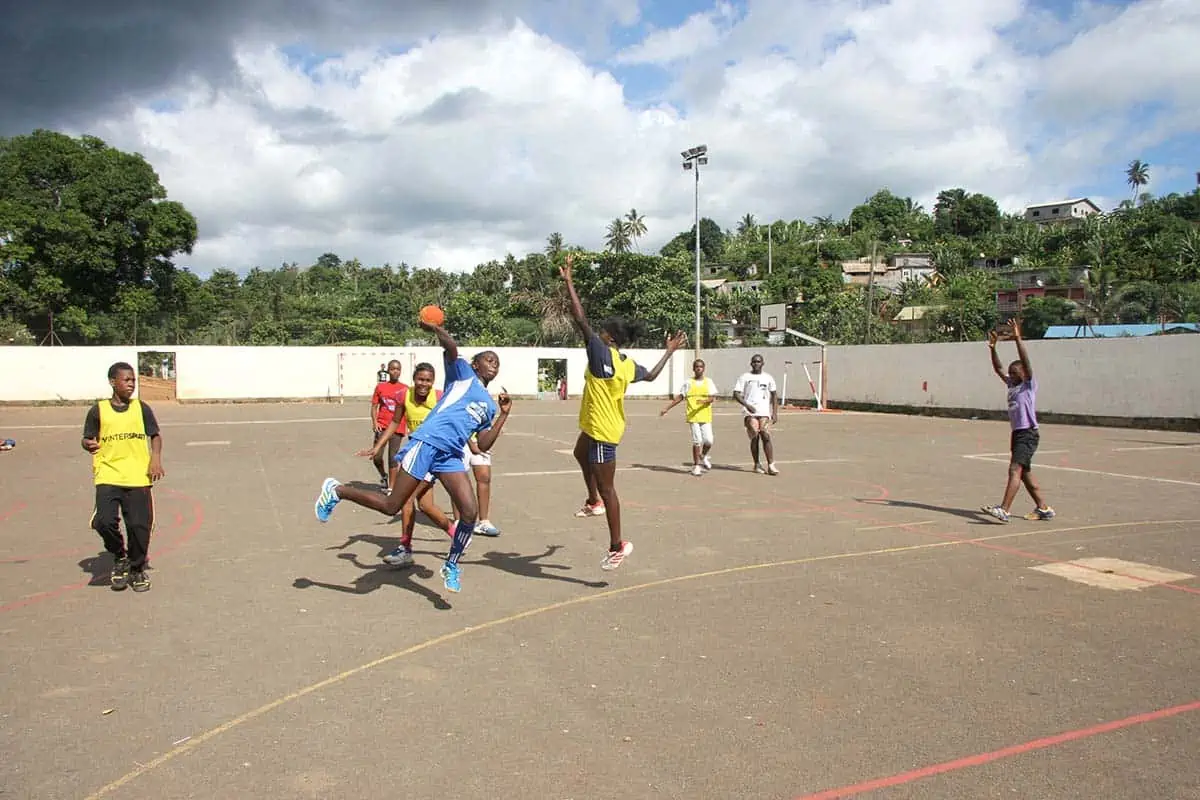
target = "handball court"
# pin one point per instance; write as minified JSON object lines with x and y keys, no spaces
{"x":852,"y":627}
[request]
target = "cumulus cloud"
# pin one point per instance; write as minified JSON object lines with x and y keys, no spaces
{"x":481,"y":140}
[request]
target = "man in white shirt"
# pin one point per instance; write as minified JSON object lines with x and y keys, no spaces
{"x":755,"y":391}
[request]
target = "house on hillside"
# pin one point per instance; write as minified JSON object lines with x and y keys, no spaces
{"x":1026,"y":284}
{"x":890,"y":272}
{"x":1061,"y":211}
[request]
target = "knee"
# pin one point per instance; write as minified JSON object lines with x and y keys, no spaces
{"x":467,"y":511}
{"x":764,"y":436}
{"x":483,"y":478}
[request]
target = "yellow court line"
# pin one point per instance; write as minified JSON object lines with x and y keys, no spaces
{"x":212,"y":733}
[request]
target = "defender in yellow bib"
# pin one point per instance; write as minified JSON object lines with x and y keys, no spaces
{"x":602,"y":414}
{"x":122,"y":435}
{"x":700,"y":393}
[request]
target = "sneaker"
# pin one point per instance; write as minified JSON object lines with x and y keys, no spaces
{"x":383,"y":482}
{"x":697,"y":470}
{"x":139,"y":581}
{"x":399,"y":558}
{"x":450,"y":574}
{"x":772,"y":469}
{"x":614,"y":557}
{"x":995,"y":511}
{"x":327,"y":499}
{"x":759,"y":470}
{"x":1041,"y":514}
{"x":705,"y":462}
{"x":486,"y":528}
{"x":590,"y":510}
{"x":120,"y":574}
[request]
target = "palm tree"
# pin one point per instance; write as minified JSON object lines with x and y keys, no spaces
{"x":617,"y":237}
{"x":635,"y":225}
{"x":747,"y":225}
{"x":554,"y":244}
{"x":1137,"y":176}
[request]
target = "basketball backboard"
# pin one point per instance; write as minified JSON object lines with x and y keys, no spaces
{"x":772,"y":317}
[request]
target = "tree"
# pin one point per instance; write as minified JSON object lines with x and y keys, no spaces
{"x":635,"y":225}
{"x":617,"y":238}
{"x":1137,"y":176}
{"x":80,"y":222}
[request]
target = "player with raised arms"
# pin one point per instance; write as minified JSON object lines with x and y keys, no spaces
{"x":602,"y":414}
{"x":435,"y":450}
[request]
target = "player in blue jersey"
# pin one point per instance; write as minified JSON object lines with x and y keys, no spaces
{"x":435,"y":450}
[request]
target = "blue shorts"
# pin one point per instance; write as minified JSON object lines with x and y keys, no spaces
{"x":424,"y":461}
{"x":600,"y":452}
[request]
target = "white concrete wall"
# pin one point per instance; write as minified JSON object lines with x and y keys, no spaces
{"x":41,"y":374}
{"x":1129,"y":377}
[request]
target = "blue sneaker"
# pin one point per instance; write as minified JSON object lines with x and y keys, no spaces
{"x":327,"y":499}
{"x":450,"y":573}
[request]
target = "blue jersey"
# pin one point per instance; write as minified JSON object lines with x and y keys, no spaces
{"x":465,"y":409}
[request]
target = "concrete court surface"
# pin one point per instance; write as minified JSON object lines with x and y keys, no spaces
{"x":853,"y":626}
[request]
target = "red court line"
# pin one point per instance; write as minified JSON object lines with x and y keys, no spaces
{"x":166,"y":549}
{"x":902,"y":778}
{"x":11,"y":512}
{"x":88,"y":549}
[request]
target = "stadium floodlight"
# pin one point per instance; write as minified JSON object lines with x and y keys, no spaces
{"x":693,"y":159}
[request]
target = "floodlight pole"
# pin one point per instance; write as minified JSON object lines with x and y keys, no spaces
{"x":692,"y":160}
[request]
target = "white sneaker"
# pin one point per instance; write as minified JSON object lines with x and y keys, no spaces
{"x":589,"y":510}
{"x":697,"y":470}
{"x":706,"y":463}
{"x":614,"y":557}
{"x":772,"y":469}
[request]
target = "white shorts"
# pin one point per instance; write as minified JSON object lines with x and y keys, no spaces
{"x":473,"y":460}
{"x":701,"y":433}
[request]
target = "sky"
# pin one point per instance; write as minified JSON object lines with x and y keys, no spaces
{"x":410,"y":132}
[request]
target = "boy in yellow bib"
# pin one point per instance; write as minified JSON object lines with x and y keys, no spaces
{"x":700,"y":392}
{"x":124,"y":466}
{"x":602,"y":414}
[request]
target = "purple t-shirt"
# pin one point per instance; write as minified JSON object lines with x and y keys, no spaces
{"x":1021,"y":400}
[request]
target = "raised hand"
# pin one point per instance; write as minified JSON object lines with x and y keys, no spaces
{"x":676,"y":341}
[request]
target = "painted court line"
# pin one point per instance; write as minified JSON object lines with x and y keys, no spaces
{"x":341,"y":677}
{"x":980,"y":759}
{"x":1096,"y":472}
{"x":205,"y":444}
{"x":896,"y":525}
{"x":1179,"y":446}
{"x":680,"y":467}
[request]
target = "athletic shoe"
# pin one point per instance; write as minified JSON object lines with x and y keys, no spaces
{"x":1040,"y":514}
{"x":139,"y":581}
{"x":759,"y":470}
{"x":399,"y":558}
{"x":120,"y":574}
{"x":486,"y":528}
{"x":614,"y":558}
{"x":590,"y":510}
{"x":327,"y":499}
{"x":705,"y":462}
{"x":772,"y":469}
{"x":995,"y":511}
{"x":697,"y":470}
{"x":450,"y":574}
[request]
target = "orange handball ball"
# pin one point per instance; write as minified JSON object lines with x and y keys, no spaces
{"x":432,"y":315}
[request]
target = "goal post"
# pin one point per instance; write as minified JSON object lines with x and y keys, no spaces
{"x":357,"y":370}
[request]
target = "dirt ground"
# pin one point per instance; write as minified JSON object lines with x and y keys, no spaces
{"x":851,"y":627}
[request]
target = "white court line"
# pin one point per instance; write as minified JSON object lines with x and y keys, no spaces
{"x":897,"y":525}
{"x":292,"y":421}
{"x":204,"y":444}
{"x":680,"y":468}
{"x":1006,"y":454}
{"x":1095,"y":472}
{"x":1181,"y":445}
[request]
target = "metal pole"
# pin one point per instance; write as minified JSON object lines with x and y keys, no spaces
{"x":697,"y":215}
{"x":769,"y":249}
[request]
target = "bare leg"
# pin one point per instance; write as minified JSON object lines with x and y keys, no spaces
{"x":589,"y":471}
{"x":605,"y":476}
{"x":1013,"y":486}
{"x":768,"y":447}
{"x":1032,"y":487}
{"x":390,"y":504}
{"x":696,"y":454}
{"x":483,"y":488}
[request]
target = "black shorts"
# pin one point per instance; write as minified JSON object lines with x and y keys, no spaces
{"x":1024,"y":444}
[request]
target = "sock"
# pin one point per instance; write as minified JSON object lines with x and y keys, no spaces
{"x":462,"y":538}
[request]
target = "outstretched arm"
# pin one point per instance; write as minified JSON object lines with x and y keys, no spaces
{"x":576,"y":306}
{"x":997,"y":367}
{"x":678,"y":399}
{"x":674,"y":342}
{"x":1021,"y":352}
{"x":444,"y":339}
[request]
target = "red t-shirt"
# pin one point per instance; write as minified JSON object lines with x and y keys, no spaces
{"x":390,"y":396}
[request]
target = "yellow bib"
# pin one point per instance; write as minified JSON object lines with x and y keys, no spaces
{"x":124,"y":455}
{"x":602,"y":411}
{"x":414,"y":412}
{"x":697,"y":392}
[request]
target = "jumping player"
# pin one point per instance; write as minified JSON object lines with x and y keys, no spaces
{"x":421,"y":399}
{"x":435,"y":449}
{"x":755,"y":391}
{"x":387,"y":400}
{"x":1022,"y":416}
{"x":124,"y":466}
{"x":700,"y":393}
{"x":602,"y":414}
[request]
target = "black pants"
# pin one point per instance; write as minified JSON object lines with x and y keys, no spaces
{"x":136,"y":506}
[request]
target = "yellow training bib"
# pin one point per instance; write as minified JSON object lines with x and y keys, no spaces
{"x":124,"y":455}
{"x":602,"y":411}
